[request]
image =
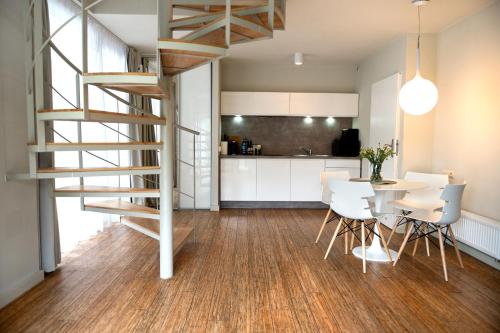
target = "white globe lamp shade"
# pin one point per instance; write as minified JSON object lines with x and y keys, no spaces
{"x":418,"y":96}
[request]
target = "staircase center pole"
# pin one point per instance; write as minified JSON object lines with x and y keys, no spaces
{"x":165,"y":15}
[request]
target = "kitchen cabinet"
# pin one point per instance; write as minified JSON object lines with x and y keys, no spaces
{"x":273,"y":180}
{"x":238,"y":179}
{"x":353,"y":166}
{"x":324,"y":104}
{"x":305,"y":179}
{"x":278,"y":179}
{"x":255,"y":103}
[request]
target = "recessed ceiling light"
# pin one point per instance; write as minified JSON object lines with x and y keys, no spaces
{"x":298,"y":58}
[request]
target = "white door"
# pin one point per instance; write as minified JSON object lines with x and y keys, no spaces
{"x":384,"y":120}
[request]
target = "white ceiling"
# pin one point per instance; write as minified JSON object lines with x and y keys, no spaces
{"x":326,"y":31}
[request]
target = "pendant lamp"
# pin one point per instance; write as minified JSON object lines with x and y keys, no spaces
{"x":419,"y":95}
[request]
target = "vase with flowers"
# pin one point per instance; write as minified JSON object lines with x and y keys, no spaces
{"x":376,"y":157}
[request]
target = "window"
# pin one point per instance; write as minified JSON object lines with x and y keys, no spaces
{"x":107,"y":53}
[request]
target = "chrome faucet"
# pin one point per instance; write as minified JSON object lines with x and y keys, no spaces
{"x":307,"y":150}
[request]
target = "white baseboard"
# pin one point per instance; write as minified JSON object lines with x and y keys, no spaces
{"x":19,"y":287}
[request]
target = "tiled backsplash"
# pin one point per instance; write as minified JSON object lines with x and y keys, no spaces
{"x":285,"y":135}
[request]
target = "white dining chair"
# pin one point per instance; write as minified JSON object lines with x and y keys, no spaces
{"x":349,"y":200}
{"x":326,"y":195}
{"x":424,"y":223}
{"x":427,"y":199}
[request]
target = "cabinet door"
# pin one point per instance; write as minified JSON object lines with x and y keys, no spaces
{"x":238,"y":179}
{"x":324,"y":104}
{"x":353,"y":172}
{"x":255,"y":103}
{"x":273,"y":180}
{"x":306,"y":179}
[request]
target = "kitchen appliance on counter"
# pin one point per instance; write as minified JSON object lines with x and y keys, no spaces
{"x":233,"y":147}
{"x":223,"y":147}
{"x":257,"y":149}
{"x":348,"y":145}
{"x":245,"y":145}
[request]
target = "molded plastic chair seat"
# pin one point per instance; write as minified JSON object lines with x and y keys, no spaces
{"x":412,"y":205}
{"x":326,"y":195}
{"x":350,"y":201}
{"x":428,"y":198}
{"x":425,"y":216}
{"x":423,"y":223}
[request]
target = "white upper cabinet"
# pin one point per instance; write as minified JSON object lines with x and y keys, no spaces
{"x":324,"y":105}
{"x":288,"y":104}
{"x":255,"y":103}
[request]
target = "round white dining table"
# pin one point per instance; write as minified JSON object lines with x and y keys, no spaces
{"x":375,"y":252}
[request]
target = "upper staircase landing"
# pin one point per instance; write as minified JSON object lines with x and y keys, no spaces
{"x":245,"y":8}
{"x":178,"y":56}
{"x":242,"y":30}
{"x":144,"y":84}
{"x":100,"y":116}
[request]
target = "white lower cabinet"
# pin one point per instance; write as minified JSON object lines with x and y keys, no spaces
{"x":273,"y":179}
{"x":278,"y":179}
{"x":238,"y":179}
{"x":305,"y":179}
{"x":353,"y":166}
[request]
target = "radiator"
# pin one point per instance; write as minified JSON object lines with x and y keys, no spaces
{"x":479,"y":232}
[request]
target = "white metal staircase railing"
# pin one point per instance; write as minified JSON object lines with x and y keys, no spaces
{"x":214,"y":26}
{"x":179,"y":161}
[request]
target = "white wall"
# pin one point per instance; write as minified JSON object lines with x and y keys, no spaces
{"x":388,"y":60}
{"x":19,"y":244}
{"x":239,"y":75}
{"x":466,"y":131}
{"x":416,"y":131}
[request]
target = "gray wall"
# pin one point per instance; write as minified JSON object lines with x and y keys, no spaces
{"x":19,"y":249}
{"x":237,"y":75}
{"x":285,"y":135}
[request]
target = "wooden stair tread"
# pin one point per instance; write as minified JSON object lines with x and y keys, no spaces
{"x":181,"y":234}
{"x":59,"y":169}
{"x":93,"y":146}
{"x":104,"y":189}
{"x":122,"y":205}
{"x":180,"y":55}
{"x":102,"y":143}
{"x":138,"y":83}
{"x":98,"y":115}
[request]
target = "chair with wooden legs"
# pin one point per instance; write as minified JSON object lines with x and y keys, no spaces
{"x":327,"y":196}
{"x":424,"y":223}
{"x":423,"y":199}
{"x":349,"y":200}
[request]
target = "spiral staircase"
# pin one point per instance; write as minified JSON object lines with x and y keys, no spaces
{"x":211,"y":27}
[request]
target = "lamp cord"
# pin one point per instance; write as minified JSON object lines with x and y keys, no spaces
{"x":418,"y":38}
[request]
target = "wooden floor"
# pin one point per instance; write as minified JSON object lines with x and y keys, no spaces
{"x":254,"y":271}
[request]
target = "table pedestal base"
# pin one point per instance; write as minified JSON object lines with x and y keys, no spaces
{"x":374,"y":254}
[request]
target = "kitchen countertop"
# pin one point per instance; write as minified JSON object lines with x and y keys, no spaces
{"x":291,"y":156}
